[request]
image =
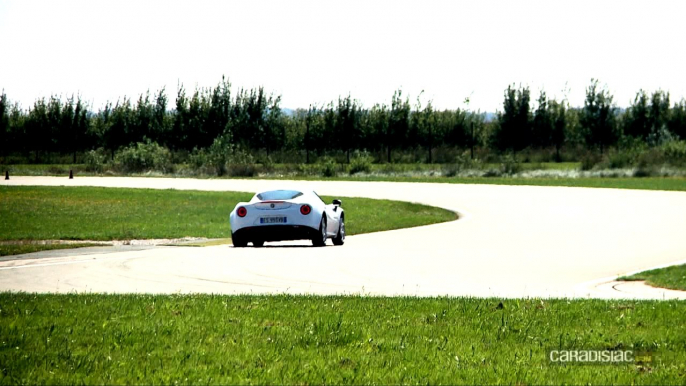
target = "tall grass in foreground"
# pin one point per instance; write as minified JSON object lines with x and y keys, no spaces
{"x":212,"y":339}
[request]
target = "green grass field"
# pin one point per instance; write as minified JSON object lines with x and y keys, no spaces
{"x":206,"y":339}
{"x":673,"y":277}
{"x":86,"y":213}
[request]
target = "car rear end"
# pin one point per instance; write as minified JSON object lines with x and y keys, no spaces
{"x":274,"y":220}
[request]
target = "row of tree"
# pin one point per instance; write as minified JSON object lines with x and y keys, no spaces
{"x":598,"y":124}
{"x":255,"y":120}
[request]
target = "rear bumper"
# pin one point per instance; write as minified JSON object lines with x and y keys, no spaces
{"x":277,"y":233}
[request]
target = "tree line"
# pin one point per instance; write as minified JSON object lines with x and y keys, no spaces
{"x":254,"y":120}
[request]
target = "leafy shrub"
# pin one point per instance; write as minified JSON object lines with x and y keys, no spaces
{"x":644,"y":171}
{"x":589,"y":160}
{"x":660,"y":137}
{"x":510,"y":165}
{"x":633,"y":144}
{"x":180,"y":156}
{"x":391,"y":168}
{"x":144,"y":157}
{"x":241,"y":170}
{"x":674,"y":152}
{"x":217,"y":155}
{"x":627,"y":154}
{"x":404,"y":157}
{"x":445,"y":154}
{"x":268,"y":164}
{"x":224,"y":158}
{"x":95,"y":160}
{"x":450,"y":170}
{"x":240,"y":163}
{"x":650,"y":158}
{"x":493,"y":173}
{"x":307,"y":169}
{"x":461,"y":163}
{"x":58,"y":170}
{"x":328,"y":167}
{"x":621,"y":159}
{"x":198,"y":158}
{"x":360,"y":163}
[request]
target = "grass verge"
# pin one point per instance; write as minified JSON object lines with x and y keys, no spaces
{"x":18,"y":249}
{"x":673,"y":277}
{"x":647,"y":183}
{"x":212,"y":339}
{"x":279,"y":168}
{"x":87,"y":213}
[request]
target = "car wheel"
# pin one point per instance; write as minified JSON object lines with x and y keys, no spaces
{"x":340,"y":236}
{"x":320,"y":239}
{"x":238,"y":242}
{"x":258,"y":243}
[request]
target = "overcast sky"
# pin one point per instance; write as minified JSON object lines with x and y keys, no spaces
{"x":312,"y":52}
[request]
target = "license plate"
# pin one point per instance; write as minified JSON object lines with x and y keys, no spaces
{"x":272,"y":220}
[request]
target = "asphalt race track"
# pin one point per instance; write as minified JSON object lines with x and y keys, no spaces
{"x":510,"y":241}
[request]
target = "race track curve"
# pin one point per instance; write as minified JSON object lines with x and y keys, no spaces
{"x":510,"y":241}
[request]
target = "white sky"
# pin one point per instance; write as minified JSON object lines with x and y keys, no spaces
{"x":317,"y":50}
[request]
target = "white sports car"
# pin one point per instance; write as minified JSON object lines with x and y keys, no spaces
{"x":278,"y":215}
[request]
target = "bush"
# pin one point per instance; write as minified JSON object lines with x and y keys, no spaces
{"x":328,"y":167}
{"x":451,"y":170}
{"x":224,"y":158}
{"x":57,"y":170}
{"x":308,"y":169}
{"x":461,"y":163}
{"x":650,"y":158}
{"x":446,"y":154}
{"x":268,"y":164}
{"x":645,"y":171}
{"x":144,"y":157}
{"x":198,"y":158}
{"x":391,"y":168}
{"x":493,"y":173}
{"x":660,"y":137}
{"x":217,"y":155}
{"x":674,"y":152}
{"x":240,"y":163}
{"x":510,"y":165}
{"x":241,"y":170}
{"x":360,"y":163}
{"x":589,"y":160}
{"x":627,"y":154}
{"x":621,"y":159}
{"x":95,"y":160}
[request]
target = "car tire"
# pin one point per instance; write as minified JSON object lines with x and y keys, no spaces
{"x":320,"y":239}
{"x":258,"y":243}
{"x":340,"y":236}
{"x":238,"y":242}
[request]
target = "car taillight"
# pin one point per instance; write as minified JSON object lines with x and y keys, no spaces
{"x":241,"y":212}
{"x":305,"y":209}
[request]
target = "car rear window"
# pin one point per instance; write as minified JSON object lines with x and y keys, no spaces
{"x":279,"y":195}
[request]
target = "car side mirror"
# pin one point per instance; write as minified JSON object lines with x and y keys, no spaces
{"x":338,"y":202}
